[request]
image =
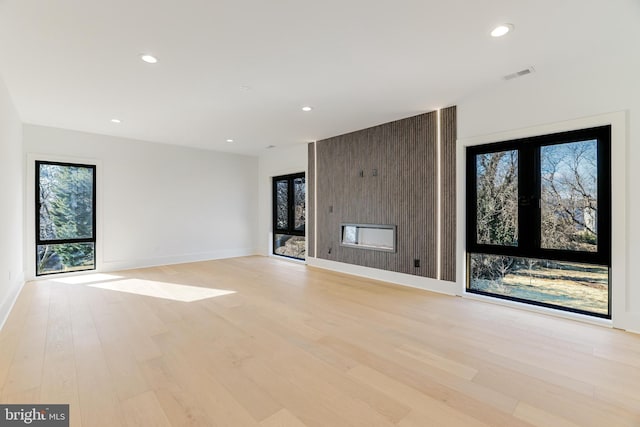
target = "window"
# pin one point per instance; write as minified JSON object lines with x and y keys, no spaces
{"x":539,"y":220}
{"x":289,"y":216}
{"x":65,"y":217}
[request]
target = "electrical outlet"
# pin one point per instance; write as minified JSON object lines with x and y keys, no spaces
{"x":416,"y":263}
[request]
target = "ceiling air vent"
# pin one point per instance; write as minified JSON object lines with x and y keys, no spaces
{"x":519,"y":73}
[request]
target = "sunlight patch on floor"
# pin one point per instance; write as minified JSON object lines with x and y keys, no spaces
{"x":171,"y":291}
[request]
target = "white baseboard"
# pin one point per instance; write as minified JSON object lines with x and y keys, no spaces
{"x":176,"y":259}
{"x":425,"y":283}
{"x":630,"y":322}
{"x":10,"y":300}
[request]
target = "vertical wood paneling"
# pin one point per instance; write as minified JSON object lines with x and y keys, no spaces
{"x":403,"y":193}
{"x":448,"y":136}
{"x":311,"y":185}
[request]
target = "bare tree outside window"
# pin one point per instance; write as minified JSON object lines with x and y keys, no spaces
{"x":299,"y":189}
{"x":497,"y":198}
{"x":569,"y":203}
{"x":282,"y":196}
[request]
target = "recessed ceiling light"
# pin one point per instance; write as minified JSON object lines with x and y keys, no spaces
{"x":229,"y":140}
{"x":501,"y":30}
{"x":116,"y":121}
{"x":149,"y":59}
{"x":306,"y":108}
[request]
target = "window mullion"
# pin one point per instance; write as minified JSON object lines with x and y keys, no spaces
{"x":528,"y":202}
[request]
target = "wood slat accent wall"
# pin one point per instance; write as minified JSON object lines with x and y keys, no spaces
{"x":403,"y":193}
{"x":448,"y":136}
{"x":311,"y":208}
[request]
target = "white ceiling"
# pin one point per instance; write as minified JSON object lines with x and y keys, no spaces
{"x":243,"y":69}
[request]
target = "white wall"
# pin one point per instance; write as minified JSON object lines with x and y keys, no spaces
{"x":157,"y":204}
{"x":275,"y":162}
{"x":609,"y":83}
{"x":11,"y":203}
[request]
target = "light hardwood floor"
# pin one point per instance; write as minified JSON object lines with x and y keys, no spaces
{"x":295,"y":346}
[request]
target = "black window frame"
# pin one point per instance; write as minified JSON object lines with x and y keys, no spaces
{"x":529,"y":205}
{"x":41,"y":242}
{"x":290,"y":230}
